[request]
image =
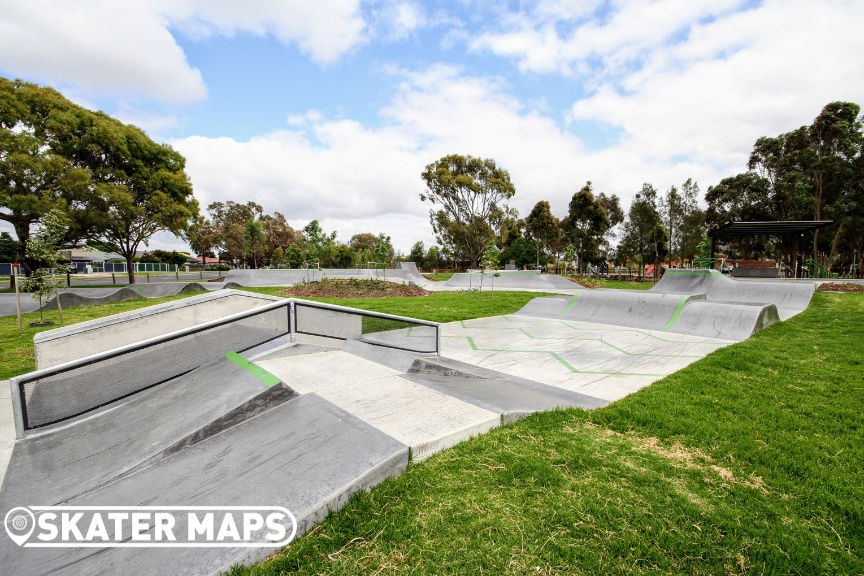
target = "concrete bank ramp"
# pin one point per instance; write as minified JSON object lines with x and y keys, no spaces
{"x":221,"y":435}
{"x":789,"y":296}
{"x":413,"y":274}
{"x":665,"y":312}
{"x":510,"y":280}
{"x":279,"y":277}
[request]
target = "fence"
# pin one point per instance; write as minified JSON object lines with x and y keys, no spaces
{"x":68,"y":390}
{"x":120,"y":267}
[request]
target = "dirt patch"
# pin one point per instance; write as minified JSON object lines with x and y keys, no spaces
{"x":840,"y":287}
{"x":353,"y":288}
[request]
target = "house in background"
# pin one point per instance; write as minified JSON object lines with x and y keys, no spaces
{"x":86,"y":260}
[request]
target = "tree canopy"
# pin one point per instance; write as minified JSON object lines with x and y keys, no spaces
{"x":116,"y":186}
{"x":813,"y":172}
{"x":471,"y":194}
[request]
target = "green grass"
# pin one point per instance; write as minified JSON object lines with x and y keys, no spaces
{"x":749,"y":461}
{"x":437,"y":307}
{"x":440,"y":276}
{"x":16,"y":348}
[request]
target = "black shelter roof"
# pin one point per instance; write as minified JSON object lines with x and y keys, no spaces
{"x":776,"y":228}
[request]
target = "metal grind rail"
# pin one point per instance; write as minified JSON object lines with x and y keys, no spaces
{"x":61,"y":392}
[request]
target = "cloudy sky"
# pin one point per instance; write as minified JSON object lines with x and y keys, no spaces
{"x":330,"y":109}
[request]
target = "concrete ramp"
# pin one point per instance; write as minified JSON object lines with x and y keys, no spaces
{"x":728,"y":321}
{"x":279,"y":277}
{"x":789,"y":296}
{"x":224,"y":434}
{"x":528,"y":280}
{"x":665,"y":312}
{"x":412,"y":274}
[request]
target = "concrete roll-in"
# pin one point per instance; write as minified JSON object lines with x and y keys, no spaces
{"x":727,"y":321}
{"x":681,"y":313}
{"x":790,"y":297}
{"x":412,"y":273}
{"x":634,"y":309}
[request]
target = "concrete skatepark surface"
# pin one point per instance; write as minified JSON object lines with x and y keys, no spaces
{"x":309,"y":423}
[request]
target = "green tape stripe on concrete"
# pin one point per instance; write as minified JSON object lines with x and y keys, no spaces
{"x":557,"y":358}
{"x":609,"y":344}
{"x":266,"y":377}
{"x":570,"y":304}
{"x":676,"y":314}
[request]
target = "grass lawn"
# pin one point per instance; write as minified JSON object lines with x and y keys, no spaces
{"x":749,"y":461}
{"x":440,"y":276}
{"x":437,"y":307}
{"x":16,"y":348}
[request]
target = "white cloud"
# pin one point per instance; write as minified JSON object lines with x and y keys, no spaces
{"x":360,"y":179}
{"x":323,"y":29}
{"x":99,"y":46}
{"x":754,"y":73}
{"x":126,"y":49}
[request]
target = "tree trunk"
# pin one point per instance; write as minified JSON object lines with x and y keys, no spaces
{"x":130,"y":269}
{"x":836,"y":241}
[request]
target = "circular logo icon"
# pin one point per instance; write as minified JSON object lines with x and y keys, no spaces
{"x":19,"y":524}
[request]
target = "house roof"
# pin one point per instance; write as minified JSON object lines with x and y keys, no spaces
{"x":778,"y":228}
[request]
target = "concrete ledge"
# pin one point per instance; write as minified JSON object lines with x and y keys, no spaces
{"x":61,"y":345}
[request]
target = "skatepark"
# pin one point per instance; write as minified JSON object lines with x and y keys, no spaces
{"x":193,"y":402}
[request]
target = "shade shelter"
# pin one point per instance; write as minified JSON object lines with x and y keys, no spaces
{"x":769,"y":228}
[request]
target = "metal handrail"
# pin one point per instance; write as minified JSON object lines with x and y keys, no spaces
{"x":16,"y":383}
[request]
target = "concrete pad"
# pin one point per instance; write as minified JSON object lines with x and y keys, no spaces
{"x":601,"y":361}
{"x":509,"y":396}
{"x":424,"y":419}
{"x":305,"y":455}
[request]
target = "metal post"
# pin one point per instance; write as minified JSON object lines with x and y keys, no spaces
{"x":113,"y":278}
{"x":57,"y":297}
{"x":17,"y":295}
{"x":292,"y":322}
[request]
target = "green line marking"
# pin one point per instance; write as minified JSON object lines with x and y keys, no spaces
{"x":570,"y":304}
{"x":674,"y":319}
{"x":558,"y":358}
{"x":264,"y":376}
{"x":636,"y":331}
{"x":609,"y":344}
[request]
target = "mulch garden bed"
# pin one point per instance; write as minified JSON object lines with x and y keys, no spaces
{"x":353,"y":288}
{"x":840,"y":287}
